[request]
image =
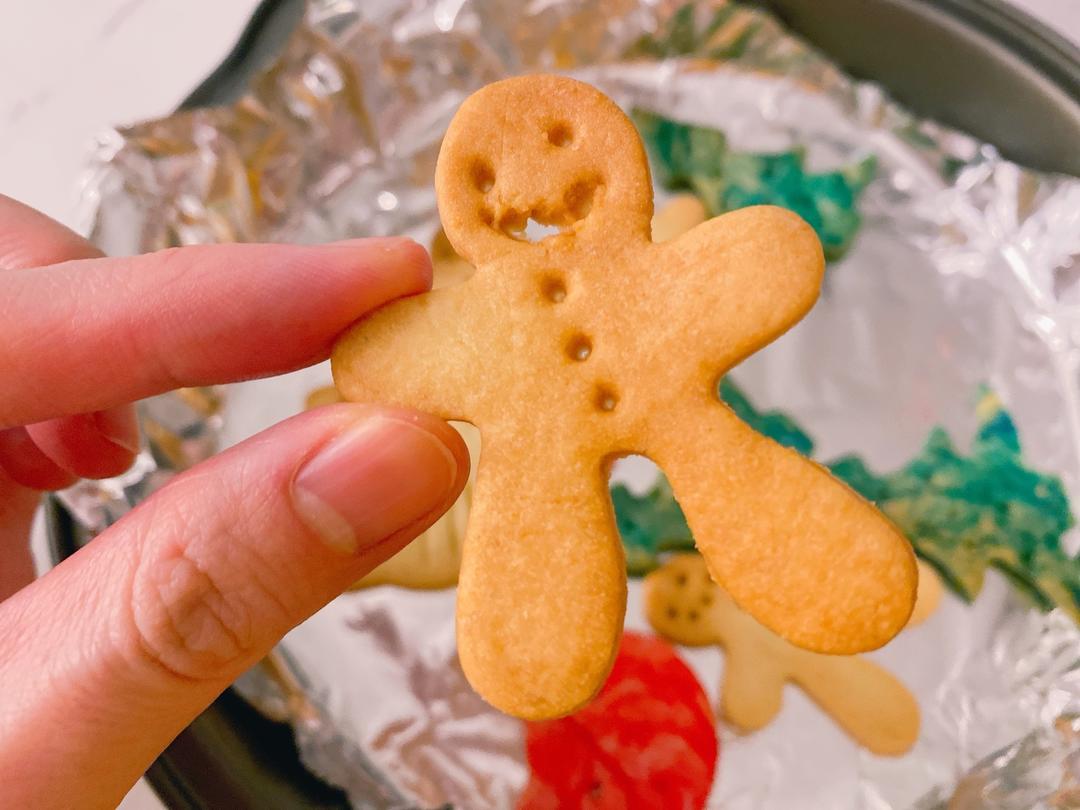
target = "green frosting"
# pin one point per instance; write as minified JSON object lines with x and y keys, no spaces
{"x":962,"y":513}
{"x":649,"y":524}
{"x":687,"y":157}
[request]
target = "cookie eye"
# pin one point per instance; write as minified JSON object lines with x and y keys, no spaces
{"x":680,"y":580}
{"x":579,"y":348}
{"x":693,"y":615}
{"x":483,"y":176}
{"x":672,"y":613}
{"x":706,"y":598}
{"x":559,"y":134}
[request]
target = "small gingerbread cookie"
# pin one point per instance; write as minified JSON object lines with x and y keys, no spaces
{"x":593,"y":343}
{"x":685,"y":605}
{"x":318,"y":397}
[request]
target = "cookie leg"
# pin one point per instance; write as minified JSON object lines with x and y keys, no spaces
{"x":542,"y":589}
{"x":752,"y":691}
{"x":866,"y":701}
{"x":795,"y":548}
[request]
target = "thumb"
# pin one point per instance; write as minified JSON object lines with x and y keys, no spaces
{"x":122,"y":645}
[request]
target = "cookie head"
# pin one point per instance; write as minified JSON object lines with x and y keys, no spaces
{"x":563,"y":155}
{"x":680,"y":599}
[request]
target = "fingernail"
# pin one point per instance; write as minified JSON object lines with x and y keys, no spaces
{"x":398,"y":251}
{"x":120,"y":427}
{"x":395,"y":246}
{"x":374,"y":479}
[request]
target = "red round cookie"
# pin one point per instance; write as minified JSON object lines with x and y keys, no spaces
{"x":648,"y":740}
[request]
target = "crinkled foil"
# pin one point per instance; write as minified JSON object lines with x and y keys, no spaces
{"x":964,"y":274}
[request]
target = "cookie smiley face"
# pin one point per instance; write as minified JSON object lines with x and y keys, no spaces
{"x":594,"y":343}
{"x":563,"y":157}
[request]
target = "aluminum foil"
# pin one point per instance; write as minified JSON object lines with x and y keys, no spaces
{"x":964,"y":274}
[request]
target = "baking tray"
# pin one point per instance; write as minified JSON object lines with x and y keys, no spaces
{"x":977,"y":65}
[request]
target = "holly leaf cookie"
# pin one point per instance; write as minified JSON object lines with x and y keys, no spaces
{"x":699,"y":158}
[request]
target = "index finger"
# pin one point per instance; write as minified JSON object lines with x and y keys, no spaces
{"x":86,"y":335}
{"x":29,"y":238}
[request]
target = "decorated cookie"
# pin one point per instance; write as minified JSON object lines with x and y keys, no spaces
{"x":647,"y":741}
{"x":683,"y":604}
{"x":986,"y":508}
{"x":700,"y":158}
{"x":593,"y":343}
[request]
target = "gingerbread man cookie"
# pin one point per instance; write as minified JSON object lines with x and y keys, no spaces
{"x":869,"y":703}
{"x":595,"y":343}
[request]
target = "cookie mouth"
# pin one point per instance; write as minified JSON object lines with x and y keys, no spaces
{"x":546,"y":218}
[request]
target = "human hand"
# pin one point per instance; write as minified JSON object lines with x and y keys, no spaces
{"x":108,"y":656}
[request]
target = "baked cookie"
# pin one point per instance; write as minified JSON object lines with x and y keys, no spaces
{"x":869,"y":703}
{"x":594,"y":343}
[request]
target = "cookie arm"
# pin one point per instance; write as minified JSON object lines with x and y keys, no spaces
{"x":542,"y":589}
{"x":421,"y":352}
{"x":753,"y":273}
{"x":797,"y":549}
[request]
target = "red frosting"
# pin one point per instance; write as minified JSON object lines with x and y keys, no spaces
{"x":648,"y":740}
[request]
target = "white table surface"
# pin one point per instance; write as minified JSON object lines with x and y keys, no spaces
{"x":69,"y":70}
